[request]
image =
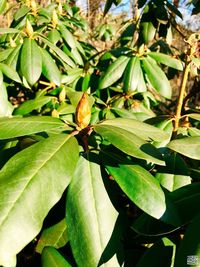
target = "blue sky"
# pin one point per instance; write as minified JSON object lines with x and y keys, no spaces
{"x":193,"y":22}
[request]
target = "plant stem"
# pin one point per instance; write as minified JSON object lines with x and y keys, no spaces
{"x":181,"y":96}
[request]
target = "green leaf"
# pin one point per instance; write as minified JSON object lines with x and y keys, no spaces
{"x":59,"y":52}
{"x":189,"y":246}
{"x":166,"y":60}
{"x":195,"y":116}
{"x":184,"y":207}
{"x":6,"y":107}
{"x":49,"y":68}
{"x":12,"y":59}
{"x":31,"y":105}
{"x":10,"y":72}
{"x":17,"y":126}
{"x":2,"y":6}
{"x":8,"y":30}
{"x":4,"y":54}
{"x":175,"y":174}
{"x":188,"y":146}
{"x":132,"y":75}
{"x":54,"y":36}
{"x":31,"y":183}
{"x":90,"y":216}
{"x":54,"y":236}
{"x":31,"y":61}
{"x":20,"y":13}
{"x":148,"y":31}
{"x":157,"y":77}
{"x":114,"y":72}
{"x":141,"y":187}
{"x":52,"y":258}
{"x":67,"y":36}
{"x":157,"y":255}
{"x":141,"y":129}
{"x":129,"y":143}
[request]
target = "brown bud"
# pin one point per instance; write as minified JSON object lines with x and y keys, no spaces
{"x":83,"y":112}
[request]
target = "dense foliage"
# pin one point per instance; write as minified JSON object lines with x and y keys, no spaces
{"x":99,"y":158}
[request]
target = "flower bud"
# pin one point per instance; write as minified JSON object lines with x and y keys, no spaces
{"x":83,"y":112}
{"x":29,"y":29}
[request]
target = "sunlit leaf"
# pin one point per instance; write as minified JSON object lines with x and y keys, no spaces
{"x":90,"y":216}
{"x":41,"y":171}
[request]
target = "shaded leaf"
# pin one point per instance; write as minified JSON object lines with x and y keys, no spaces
{"x":175,"y":174}
{"x":52,"y":258}
{"x":189,"y":246}
{"x":157,"y":255}
{"x":10,"y":72}
{"x":54,"y":236}
{"x":129,"y":143}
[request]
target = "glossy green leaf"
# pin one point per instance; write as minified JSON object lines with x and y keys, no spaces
{"x":166,"y":60}
{"x":141,"y":187}
{"x":141,"y":129}
{"x":54,"y":236}
{"x":49,"y":68}
{"x":43,"y":169}
{"x":52,"y":258}
{"x":31,"y":61}
{"x":67,"y":36}
{"x":17,"y":126}
{"x":12,"y":59}
{"x":6,"y":107}
{"x":10,"y":72}
{"x":175,"y":174}
{"x":189,"y":246}
{"x":59,"y":52}
{"x":148,"y":31}
{"x":90,"y":216}
{"x":157,"y":77}
{"x":4,"y":54}
{"x":114,"y":72}
{"x":182,"y":208}
{"x":132,"y":75}
{"x":54,"y":36}
{"x":129,"y":143}
{"x":188,"y":146}
{"x":31,"y":105}
{"x":21,"y":12}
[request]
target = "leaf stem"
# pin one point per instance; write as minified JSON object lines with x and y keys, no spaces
{"x":181,"y":96}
